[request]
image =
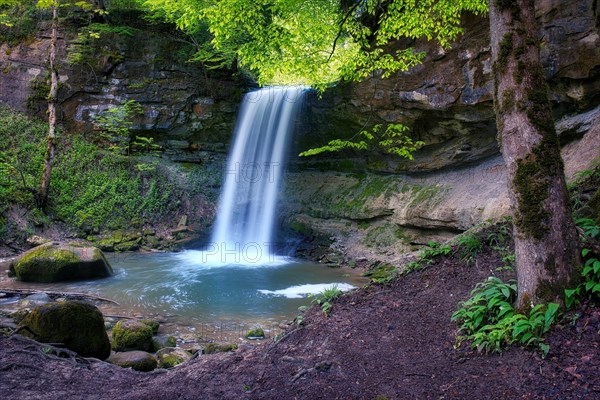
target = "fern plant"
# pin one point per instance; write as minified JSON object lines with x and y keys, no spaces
{"x":490,"y":322}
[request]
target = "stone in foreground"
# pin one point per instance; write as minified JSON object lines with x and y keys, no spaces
{"x":78,"y":325}
{"x":170,"y":357}
{"x":57,"y":262}
{"x":136,"y":360}
{"x":132,"y":335}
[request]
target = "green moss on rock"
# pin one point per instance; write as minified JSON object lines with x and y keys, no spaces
{"x":255,"y":333}
{"x":212,"y":348}
{"x":170,"y":357}
{"x":162,"y":341}
{"x":55,"y":262}
{"x":152,"y":324}
{"x":76,"y":324}
{"x":136,"y":360}
{"x":131,"y":335}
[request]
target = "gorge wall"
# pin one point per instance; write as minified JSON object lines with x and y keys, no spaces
{"x":364,"y":205}
{"x":376,"y":206}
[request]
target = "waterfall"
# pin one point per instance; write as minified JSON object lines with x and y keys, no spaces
{"x":243,"y":230}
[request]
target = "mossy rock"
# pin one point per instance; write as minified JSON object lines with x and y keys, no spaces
{"x":136,"y":360}
{"x":128,"y":246}
{"x":152,"y":324}
{"x":19,"y":315}
{"x":256,"y":333}
{"x":170,"y":357}
{"x":212,"y":348}
{"x":57,"y":262}
{"x":76,"y":324}
{"x":106,"y":244}
{"x":152,"y":242}
{"x":162,"y":341}
{"x":131,"y":335}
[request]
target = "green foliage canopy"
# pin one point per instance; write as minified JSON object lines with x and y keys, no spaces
{"x":315,"y":42}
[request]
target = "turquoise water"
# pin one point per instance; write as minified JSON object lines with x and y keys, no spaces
{"x":186,"y":285}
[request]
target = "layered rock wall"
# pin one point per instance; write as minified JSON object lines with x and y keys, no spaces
{"x":457,"y":179}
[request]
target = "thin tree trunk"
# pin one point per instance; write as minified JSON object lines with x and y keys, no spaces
{"x":546,"y":241}
{"x":52,"y":100}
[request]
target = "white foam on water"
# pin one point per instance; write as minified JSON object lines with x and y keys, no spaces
{"x":300,"y":291}
{"x":206,"y":259}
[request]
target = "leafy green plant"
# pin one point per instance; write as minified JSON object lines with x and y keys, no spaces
{"x":412,"y":267}
{"x":115,"y":124}
{"x":382,"y":273}
{"x":500,"y":234}
{"x":470,"y":246}
{"x":490,"y":322}
{"x":508,"y":258}
{"x":392,"y":140}
{"x":326,"y":298}
{"x":590,"y":287}
{"x":590,"y":229}
{"x":426,"y":256}
{"x":434,"y":250}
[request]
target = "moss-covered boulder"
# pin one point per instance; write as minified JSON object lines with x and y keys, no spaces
{"x":76,"y":324}
{"x":56,"y":262}
{"x":131,"y":335}
{"x":152,"y":324}
{"x":137,"y":360}
{"x":162,"y":341}
{"x":213,"y":348}
{"x":170,"y":357}
{"x":256,"y":333}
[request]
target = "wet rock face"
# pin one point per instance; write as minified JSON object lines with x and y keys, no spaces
{"x":184,"y":107}
{"x":447,"y":100}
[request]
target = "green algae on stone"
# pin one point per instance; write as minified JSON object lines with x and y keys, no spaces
{"x":212,"y":348}
{"x":152,"y":324}
{"x":255,"y":333}
{"x":131,"y":335}
{"x":56,"y":262}
{"x":170,"y":357}
{"x":76,"y":324}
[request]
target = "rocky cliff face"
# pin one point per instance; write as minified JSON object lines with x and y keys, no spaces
{"x":188,"y":110}
{"x":447,"y":100}
{"x":458,"y":179}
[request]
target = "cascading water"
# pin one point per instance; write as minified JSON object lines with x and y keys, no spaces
{"x":243,"y":230}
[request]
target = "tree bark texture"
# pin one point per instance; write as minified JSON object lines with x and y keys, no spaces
{"x":546,"y":241}
{"x":52,"y":100}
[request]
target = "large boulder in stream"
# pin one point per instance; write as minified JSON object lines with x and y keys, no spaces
{"x":56,"y":262}
{"x":78,"y":325}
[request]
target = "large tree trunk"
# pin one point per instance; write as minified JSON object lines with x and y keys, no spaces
{"x":52,"y":100}
{"x":546,"y":242}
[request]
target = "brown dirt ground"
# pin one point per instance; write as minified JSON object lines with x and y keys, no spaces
{"x":390,"y":341}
